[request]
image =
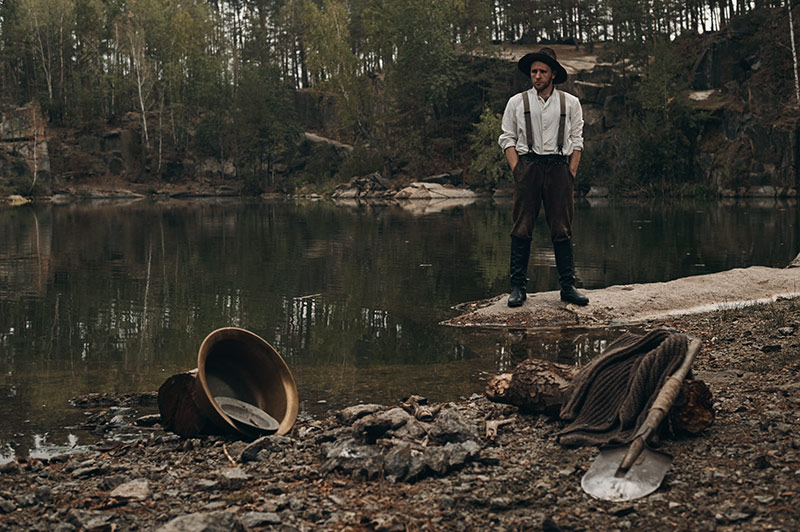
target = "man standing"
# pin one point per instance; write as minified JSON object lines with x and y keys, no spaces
{"x":542,"y":139}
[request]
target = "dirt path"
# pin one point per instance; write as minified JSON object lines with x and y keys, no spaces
{"x":638,"y":302}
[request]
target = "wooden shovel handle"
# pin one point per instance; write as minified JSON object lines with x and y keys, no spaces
{"x":666,"y":396}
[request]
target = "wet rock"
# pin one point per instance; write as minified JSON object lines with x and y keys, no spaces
{"x":150,"y":420}
{"x":432,"y":191}
{"x":259,"y":519}
{"x":204,"y":522}
{"x":136,"y":490}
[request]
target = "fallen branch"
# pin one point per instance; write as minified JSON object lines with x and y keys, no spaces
{"x":493,"y":425}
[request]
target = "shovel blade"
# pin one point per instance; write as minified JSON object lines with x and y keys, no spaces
{"x":643,"y":478}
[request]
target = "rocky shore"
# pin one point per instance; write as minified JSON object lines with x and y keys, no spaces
{"x":419,"y":466}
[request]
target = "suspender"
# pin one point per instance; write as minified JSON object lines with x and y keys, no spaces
{"x":529,"y":126}
{"x":561,"y":122}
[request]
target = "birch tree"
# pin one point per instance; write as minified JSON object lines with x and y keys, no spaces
{"x":141,"y":70}
{"x":794,"y":56}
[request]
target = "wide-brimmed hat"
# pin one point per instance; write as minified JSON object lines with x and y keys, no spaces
{"x":546,"y":56}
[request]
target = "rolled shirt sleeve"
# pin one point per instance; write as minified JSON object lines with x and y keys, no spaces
{"x":575,"y":124}
{"x":508,"y":137}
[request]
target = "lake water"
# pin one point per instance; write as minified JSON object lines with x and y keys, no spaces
{"x":117,"y":297}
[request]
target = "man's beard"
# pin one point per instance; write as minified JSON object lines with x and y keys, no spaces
{"x":549,"y":84}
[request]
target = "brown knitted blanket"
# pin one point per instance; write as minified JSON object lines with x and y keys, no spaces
{"x":609,"y":398}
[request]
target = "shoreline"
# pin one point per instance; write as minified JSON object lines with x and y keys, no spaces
{"x":742,"y":473}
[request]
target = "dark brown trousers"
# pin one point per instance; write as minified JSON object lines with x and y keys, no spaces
{"x":548,"y":184}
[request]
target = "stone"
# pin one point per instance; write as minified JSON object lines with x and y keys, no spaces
{"x":350,"y":414}
{"x":597,"y":192}
{"x":85,"y":472}
{"x":411,"y":430}
{"x":137,"y":490}
{"x":87,"y":520}
{"x":150,"y":420}
{"x":460,"y":453}
{"x":204,"y":522}
{"x":207,"y":484}
{"x":500,"y":503}
{"x":44,"y":495}
{"x":233,"y":478}
{"x":436,"y":458}
{"x":26,"y":499}
{"x":351,"y":456}
{"x":7,"y":506}
{"x":452,"y":426}
{"x":259,"y":519}
{"x":374,"y":426}
{"x":397,"y":462}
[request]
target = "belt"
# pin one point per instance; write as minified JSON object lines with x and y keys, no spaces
{"x":548,"y":160}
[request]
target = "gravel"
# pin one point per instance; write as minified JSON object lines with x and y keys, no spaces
{"x":742,"y":473}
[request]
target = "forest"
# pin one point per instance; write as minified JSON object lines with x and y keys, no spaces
{"x":412,"y":86}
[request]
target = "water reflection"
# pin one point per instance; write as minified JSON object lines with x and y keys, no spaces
{"x":115,"y":298}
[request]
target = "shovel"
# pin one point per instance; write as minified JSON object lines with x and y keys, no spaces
{"x":632,"y":471}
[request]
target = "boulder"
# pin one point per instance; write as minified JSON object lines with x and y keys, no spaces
{"x":429,"y":191}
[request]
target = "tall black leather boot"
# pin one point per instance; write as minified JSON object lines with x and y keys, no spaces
{"x":566,"y":273}
{"x":520,"y":253}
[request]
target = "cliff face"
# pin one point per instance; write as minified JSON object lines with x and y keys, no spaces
{"x":743,"y":79}
{"x":24,"y":154}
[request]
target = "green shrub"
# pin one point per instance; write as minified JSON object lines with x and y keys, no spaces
{"x":489,"y":166}
{"x":361,"y":161}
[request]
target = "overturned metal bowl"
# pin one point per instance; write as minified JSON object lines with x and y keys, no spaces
{"x":236,"y":363}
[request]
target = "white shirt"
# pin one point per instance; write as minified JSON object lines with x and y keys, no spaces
{"x":545,"y":116}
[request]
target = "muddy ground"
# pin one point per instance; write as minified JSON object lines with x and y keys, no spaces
{"x":347,"y":473}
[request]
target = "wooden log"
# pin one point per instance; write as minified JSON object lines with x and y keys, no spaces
{"x":539,"y":387}
{"x":178,"y":408}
